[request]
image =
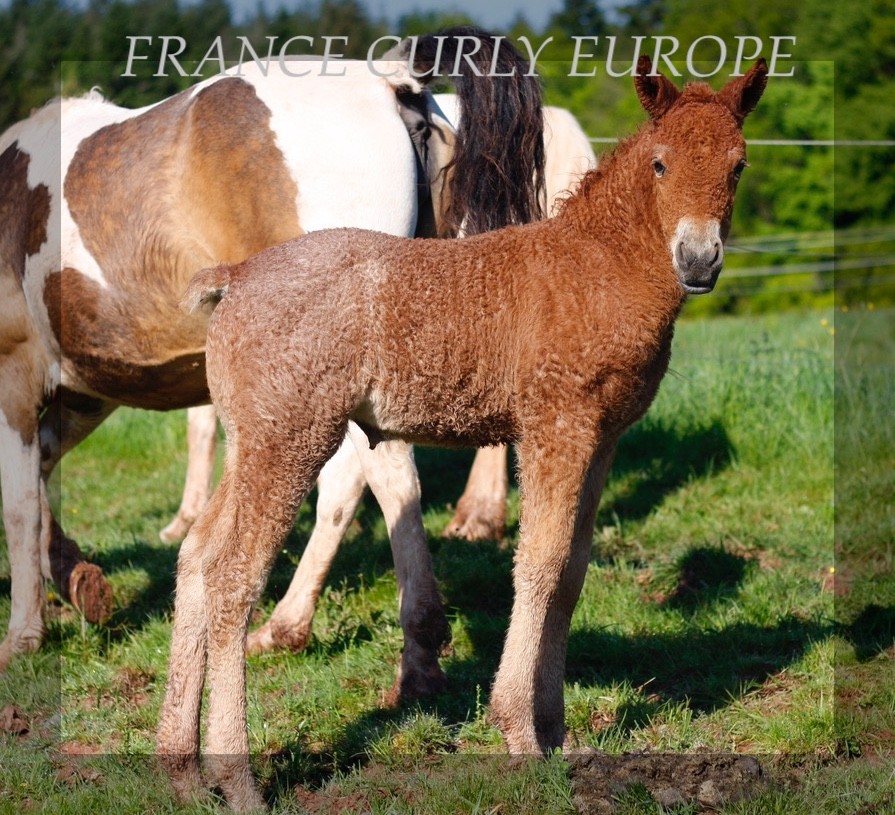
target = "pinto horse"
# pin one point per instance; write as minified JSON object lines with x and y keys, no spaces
{"x":558,"y":346}
{"x":106,"y":213}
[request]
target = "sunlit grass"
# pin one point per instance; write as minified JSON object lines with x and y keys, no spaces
{"x":707,"y":619}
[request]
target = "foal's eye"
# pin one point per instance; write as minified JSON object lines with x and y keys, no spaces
{"x":658,"y":167}
{"x":738,"y":170}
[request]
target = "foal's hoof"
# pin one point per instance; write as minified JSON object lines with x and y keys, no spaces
{"x":90,"y":593}
{"x":233,"y":774}
{"x":416,"y":684}
{"x":186,"y":780}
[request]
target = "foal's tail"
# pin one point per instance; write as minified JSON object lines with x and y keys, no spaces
{"x":497,"y":172}
{"x":206,"y":289}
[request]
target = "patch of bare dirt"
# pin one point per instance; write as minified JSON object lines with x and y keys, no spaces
{"x":322,"y":803}
{"x":134,"y":685}
{"x":707,"y":780}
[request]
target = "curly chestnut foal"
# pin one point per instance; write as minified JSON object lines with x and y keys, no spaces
{"x":553,"y":336}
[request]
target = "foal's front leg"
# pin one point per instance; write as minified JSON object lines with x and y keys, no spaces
{"x":561,"y":482}
{"x":391,"y":473}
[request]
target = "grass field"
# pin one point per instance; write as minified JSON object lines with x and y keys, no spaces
{"x":712,"y":619}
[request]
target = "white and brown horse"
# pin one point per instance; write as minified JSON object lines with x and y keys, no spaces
{"x":105,"y":213}
{"x":559,"y":344}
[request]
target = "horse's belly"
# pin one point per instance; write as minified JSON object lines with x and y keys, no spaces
{"x":168,"y":385}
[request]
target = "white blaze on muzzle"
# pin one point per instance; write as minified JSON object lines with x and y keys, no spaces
{"x":697,"y":253}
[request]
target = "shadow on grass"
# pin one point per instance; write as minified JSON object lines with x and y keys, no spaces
{"x":706,"y":575}
{"x":872,"y":631}
{"x":704,"y":670}
{"x":654,"y":461}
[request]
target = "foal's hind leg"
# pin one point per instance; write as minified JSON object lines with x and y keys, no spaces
{"x":231,"y":549}
{"x":268,"y":485}
{"x":391,"y":474}
{"x":177,"y":743}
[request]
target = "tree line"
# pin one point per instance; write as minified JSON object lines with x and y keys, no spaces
{"x":843,"y":62}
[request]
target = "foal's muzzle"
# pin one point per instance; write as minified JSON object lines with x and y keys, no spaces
{"x":697,"y":254}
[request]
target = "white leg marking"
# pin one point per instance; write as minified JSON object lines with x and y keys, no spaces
{"x":340,"y":487}
{"x":201,"y":449}
{"x":20,"y":484}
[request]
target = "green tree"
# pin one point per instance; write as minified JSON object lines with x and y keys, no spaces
{"x":579,"y":17}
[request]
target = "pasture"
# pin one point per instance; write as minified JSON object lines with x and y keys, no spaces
{"x":707,"y":620}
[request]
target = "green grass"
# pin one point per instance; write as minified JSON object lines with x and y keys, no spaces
{"x":708,"y":620}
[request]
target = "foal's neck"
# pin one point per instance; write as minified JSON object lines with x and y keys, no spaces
{"x":615,"y":209}
{"x":617,"y":199}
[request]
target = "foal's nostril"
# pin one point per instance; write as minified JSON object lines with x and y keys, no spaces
{"x":716,"y":257}
{"x":680,"y":255}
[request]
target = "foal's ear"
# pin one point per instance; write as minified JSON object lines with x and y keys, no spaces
{"x":741,"y":95}
{"x":656,"y":93}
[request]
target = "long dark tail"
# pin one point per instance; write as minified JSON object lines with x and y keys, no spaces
{"x":497,"y":172}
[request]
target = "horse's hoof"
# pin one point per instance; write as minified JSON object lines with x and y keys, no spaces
{"x":260,"y":641}
{"x":271,"y":637}
{"x":417,"y":683}
{"x":477,"y":521}
{"x":90,"y":593}
{"x":177,"y":530}
{"x":13,"y":645}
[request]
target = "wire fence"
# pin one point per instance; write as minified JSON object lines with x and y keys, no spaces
{"x":812,"y":262}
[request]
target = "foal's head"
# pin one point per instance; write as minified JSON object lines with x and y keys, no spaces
{"x":697,"y":154}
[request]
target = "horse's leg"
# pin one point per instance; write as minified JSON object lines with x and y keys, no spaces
{"x":64,"y":424}
{"x":391,"y":474}
{"x":561,"y":481}
{"x":202,"y":424}
{"x":481,"y":512}
{"x":340,"y":488}
{"x":20,"y":485}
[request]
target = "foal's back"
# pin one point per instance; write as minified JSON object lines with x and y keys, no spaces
{"x":432,"y":320}
{"x":435,"y":341}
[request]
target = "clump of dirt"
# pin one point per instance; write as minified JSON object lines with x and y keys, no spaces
{"x":707,"y":780}
{"x":12,"y":721}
